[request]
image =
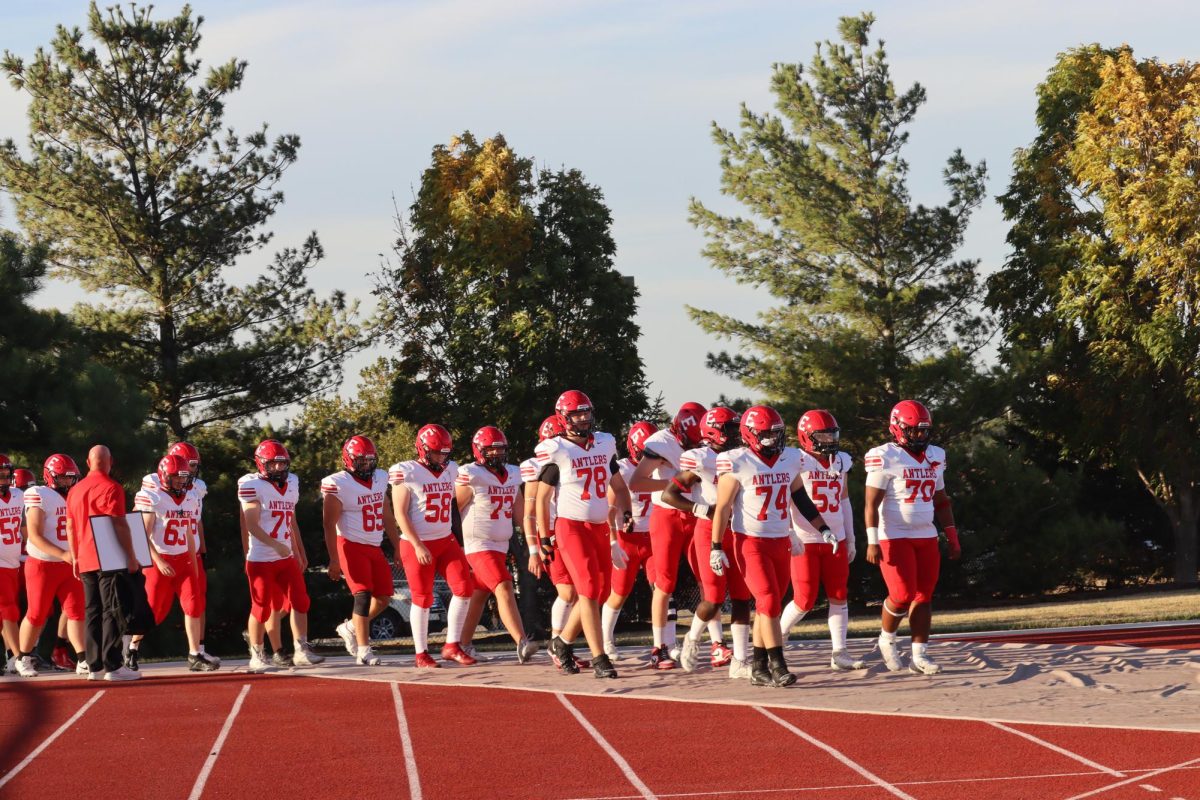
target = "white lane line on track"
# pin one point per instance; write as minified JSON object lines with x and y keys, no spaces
{"x":37,"y":751}
{"x":1135,"y":779}
{"x":211,"y":761}
{"x":854,"y":765}
{"x":630,"y":775}
{"x":1062,"y":751}
{"x":410,"y":760}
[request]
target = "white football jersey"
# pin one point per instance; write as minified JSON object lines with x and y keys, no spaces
{"x":361,"y":519}
{"x":909,"y":484}
{"x":54,"y":527}
{"x":702,"y":462}
{"x":276,"y":512}
{"x":199,"y":487}
{"x":583,"y":475}
{"x":12,"y":509}
{"x":641,"y":500}
{"x":488,"y":519}
{"x":174,"y":519}
{"x":432,"y":497}
{"x":828,"y":489}
{"x":664,"y":445}
{"x":529,"y":474}
{"x":762,"y":507}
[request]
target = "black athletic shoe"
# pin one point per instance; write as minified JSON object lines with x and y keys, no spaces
{"x":602,"y":667}
{"x":563,"y":657}
{"x":131,"y":660}
{"x":780,"y":676}
{"x":761,"y":676}
{"x":280,"y":660}
{"x":202,"y":663}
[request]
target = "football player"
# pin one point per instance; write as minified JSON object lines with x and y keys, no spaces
{"x":489,"y":497}
{"x":670,"y":529}
{"x":356,"y":515}
{"x":275,"y":559}
{"x":49,"y":570}
{"x":719,"y":432}
{"x":171,"y":515}
{"x":826,"y":559}
{"x":12,"y":509}
{"x":423,"y":500}
{"x":582,"y":464}
{"x":906,"y":492}
{"x":756,"y":485}
{"x":631,"y":551}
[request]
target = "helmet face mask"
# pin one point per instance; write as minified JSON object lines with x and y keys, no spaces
{"x":763,"y":431}
{"x":818,"y":433}
{"x":60,"y":473}
{"x":575,"y":413}
{"x":174,"y":475}
{"x":274,"y":462}
{"x":489,"y":446}
{"x":359,"y":457}
{"x":721,"y":429}
{"x":911,"y":425}
{"x":191,"y":455}
{"x":433,"y":447}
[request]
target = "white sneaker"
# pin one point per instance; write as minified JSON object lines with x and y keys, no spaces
{"x":305,"y":657}
{"x":890,"y":654}
{"x":689,"y":654}
{"x":923,"y":666}
{"x":349,"y":638}
{"x":367,"y":658}
{"x":258,"y":660}
{"x":739,"y":670}
{"x":610,"y":650}
{"x":123,"y":674}
{"x":674,"y":652}
{"x":82,"y":668}
{"x":469,"y":649}
{"x":25,"y":667}
{"x":525,"y":651}
{"x":94,"y":676}
{"x":10,"y":666}
{"x":842,"y":661}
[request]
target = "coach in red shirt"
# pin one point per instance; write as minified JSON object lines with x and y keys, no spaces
{"x":108,"y":596}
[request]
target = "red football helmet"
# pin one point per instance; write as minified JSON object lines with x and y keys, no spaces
{"x":22,"y":478}
{"x":490,"y":447}
{"x":762,"y":431}
{"x":575,"y":413}
{"x":172,"y":466}
{"x":189,"y":453}
{"x":433,"y":439}
{"x":911,"y":425}
{"x":635,"y":441}
{"x":686,"y":425}
{"x":359,"y":457}
{"x":60,"y":466}
{"x":273,"y":461}
{"x":550,"y":428}
{"x":818,"y":432}
{"x":720,"y":429}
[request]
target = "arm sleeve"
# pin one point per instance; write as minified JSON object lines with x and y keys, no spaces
{"x":613,"y":469}
{"x":549,"y":474}
{"x":804,"y":504}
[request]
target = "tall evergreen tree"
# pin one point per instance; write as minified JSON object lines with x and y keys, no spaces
{"x":502,"y":294}
{"x":873,"y":303}
{"x":143,"y":195}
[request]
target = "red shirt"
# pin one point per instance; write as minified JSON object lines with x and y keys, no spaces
{"x":95,"y":495}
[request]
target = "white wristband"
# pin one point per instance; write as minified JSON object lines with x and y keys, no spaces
{"x":535,"y":549}
{"x":872,"y":535}
{"x":701,"y":510}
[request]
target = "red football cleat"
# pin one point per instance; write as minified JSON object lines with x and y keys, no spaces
{"x":721,"y":655}
{"x":62,"y":659}
{"x":454,"y":652}
{"x":425,"y":661}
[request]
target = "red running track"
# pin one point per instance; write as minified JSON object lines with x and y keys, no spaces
{"x":317,"y":738}
{"x":1164,"y":637}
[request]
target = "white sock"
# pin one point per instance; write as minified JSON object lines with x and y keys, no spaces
{"x":918,"y":650}
{"x":792,"y":614}
{"x":560,"y":611}
{"x":193,"y":652}
{"x":884,"y":636}
{"x":741,"y":640}
{"x":608,"y":621}
{"x":456,"y":618}
{"x":658,"y":635}
{"x":419,"y":620}
{"x":670,"y":635}
{"x":839,"y":622}
{"x":716,"y":631}
{"x":697,"y":629}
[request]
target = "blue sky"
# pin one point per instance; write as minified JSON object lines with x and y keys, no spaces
{"x":625,"y":92}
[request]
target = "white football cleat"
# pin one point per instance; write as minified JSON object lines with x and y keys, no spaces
{"x":349,"y":638}
{"x":739,"y":670}
{"x":923,"y":666}
{"x":82,"y":668}
{"x":123,"y":674}
{"x":25,"y":667}
{"x":842,"y":661}
{"x":470,"y":650}
{"x":305,"y":657}
{"x":367,"y":658}
{"x":674,"y":653}
{"x":689,"y":654}
{"x":258,"y":660}
{"x":890,"y":654}
{"x":610,"y":650}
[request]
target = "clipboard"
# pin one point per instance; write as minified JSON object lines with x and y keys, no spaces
{"x":109,"y":552}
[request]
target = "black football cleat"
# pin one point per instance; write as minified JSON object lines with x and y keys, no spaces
{"x":602,"y":667}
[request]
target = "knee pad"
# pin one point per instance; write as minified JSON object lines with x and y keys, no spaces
{"x":362,"y":603}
